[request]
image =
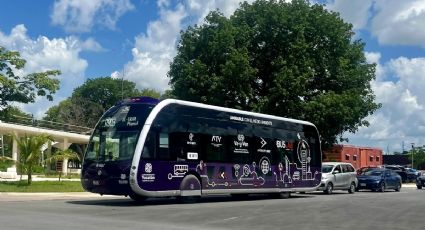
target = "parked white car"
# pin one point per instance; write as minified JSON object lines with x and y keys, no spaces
{"x":338,"y":176}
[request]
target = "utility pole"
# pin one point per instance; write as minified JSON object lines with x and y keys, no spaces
{"x":413,"y":150}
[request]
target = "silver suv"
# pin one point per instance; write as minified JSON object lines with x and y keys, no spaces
{"x":338,"y":176}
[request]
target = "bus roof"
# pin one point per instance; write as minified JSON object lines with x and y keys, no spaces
{"x":166,"y":102}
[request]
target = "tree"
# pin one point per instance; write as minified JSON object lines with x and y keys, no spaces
{"x":30,"y":149}
{"x":75,"y":111}
{"x":418,"y":155}
{"x":24,"y":89}
{"x":287,"y":59}
{"x":106,"y":91}
{"x":89,"y":101}
{"x":14,"y":114}
{"x":62,"y":155}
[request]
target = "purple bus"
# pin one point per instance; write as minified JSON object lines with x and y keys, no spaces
{"x":143,"y":147}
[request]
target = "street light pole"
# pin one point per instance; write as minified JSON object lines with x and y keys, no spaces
{"x":413,"y":149}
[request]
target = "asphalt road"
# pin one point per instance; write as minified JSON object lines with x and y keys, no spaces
{"x":362,"y":210}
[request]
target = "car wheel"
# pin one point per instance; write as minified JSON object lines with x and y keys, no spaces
{"x":398,"y":187}
{"x":352,"y":188}
{"x":419,"y":186}
{"x":382,"y":187}
{"x":329,"y":188}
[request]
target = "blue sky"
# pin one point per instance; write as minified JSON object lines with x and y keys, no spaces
{"x":137,"y":39}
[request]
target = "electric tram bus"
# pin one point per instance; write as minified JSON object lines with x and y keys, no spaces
{"x":143,"y":147}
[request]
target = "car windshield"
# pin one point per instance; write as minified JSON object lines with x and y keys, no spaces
{"x":327,"y":168}
{"x":373,"y":173}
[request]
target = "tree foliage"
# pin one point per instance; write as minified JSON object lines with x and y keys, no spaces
{"x":288,"y":59}
{"x":30,"y":150}
{"x":107,"y":91}
{"x":75,"y":111}
{"x":89,"y":101}
{"x":24,"y":89}
{"x":418,"y":155}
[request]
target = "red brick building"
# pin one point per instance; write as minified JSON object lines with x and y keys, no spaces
{"x":357,"y":156}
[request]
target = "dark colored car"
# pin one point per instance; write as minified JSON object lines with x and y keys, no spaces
{"x":379,"y":179}
{"x":420,"y":181}
{"x":412,"y":174}
{"x":400,"y":170}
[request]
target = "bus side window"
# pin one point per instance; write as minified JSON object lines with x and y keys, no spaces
{"x":164,"y":152}
{"x":149,"y":146}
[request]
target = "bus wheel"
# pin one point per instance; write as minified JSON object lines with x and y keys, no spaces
{"x":190,"y":189}
{"x":284,"y":195}
{"x":137,"y":198}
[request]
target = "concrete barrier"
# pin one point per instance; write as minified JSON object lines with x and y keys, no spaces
{"x":9,"y":174}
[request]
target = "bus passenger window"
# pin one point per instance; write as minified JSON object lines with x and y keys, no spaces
{"x":149,"y":147}
{"x":164,"y":152}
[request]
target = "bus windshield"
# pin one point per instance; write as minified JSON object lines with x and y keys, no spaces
{"x":115,"y":136}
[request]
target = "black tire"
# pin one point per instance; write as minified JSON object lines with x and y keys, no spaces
{"x":397,"y":187}
{"x":329,"y":188}
{"x":419,"y":186}
{"x":284,"y":195}
{"x":137,"y":198}
{"x":352,"y":188}
{"x":190,"y":183}
{"x":188,"y":199}
{"x":382,"y":187}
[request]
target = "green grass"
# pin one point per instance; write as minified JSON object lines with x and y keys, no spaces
{"x":41,"y":186}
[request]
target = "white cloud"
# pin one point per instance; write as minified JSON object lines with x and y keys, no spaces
{"x":392,"y":22}
{"x":155,"y":49}
{"x":82,"y":15}
{"x":43,"y":54}
{"x":403,"y":104}
{"x":355,"y":12}
{"x":400,"y":22}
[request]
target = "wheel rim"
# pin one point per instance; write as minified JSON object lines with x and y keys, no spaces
{"x":329,"y":189}
{"x":383,"y":187}
{"x":352,"y":188}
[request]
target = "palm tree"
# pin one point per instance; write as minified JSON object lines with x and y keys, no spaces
{"x":62,"y":155}
{"x":30,"y":152}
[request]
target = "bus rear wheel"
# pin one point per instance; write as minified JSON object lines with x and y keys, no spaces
{"x":190,"y":189}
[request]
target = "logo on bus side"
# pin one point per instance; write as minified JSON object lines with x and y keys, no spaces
{"x":191,"y":142}
{"x":280,"y":144}
{"x":216,"y":141}
{"x":263,"y":143}
{"x":148,"y":167}
{"x":240,"y":145}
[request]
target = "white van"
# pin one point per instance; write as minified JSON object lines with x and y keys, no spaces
{"x":338,"y":176}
